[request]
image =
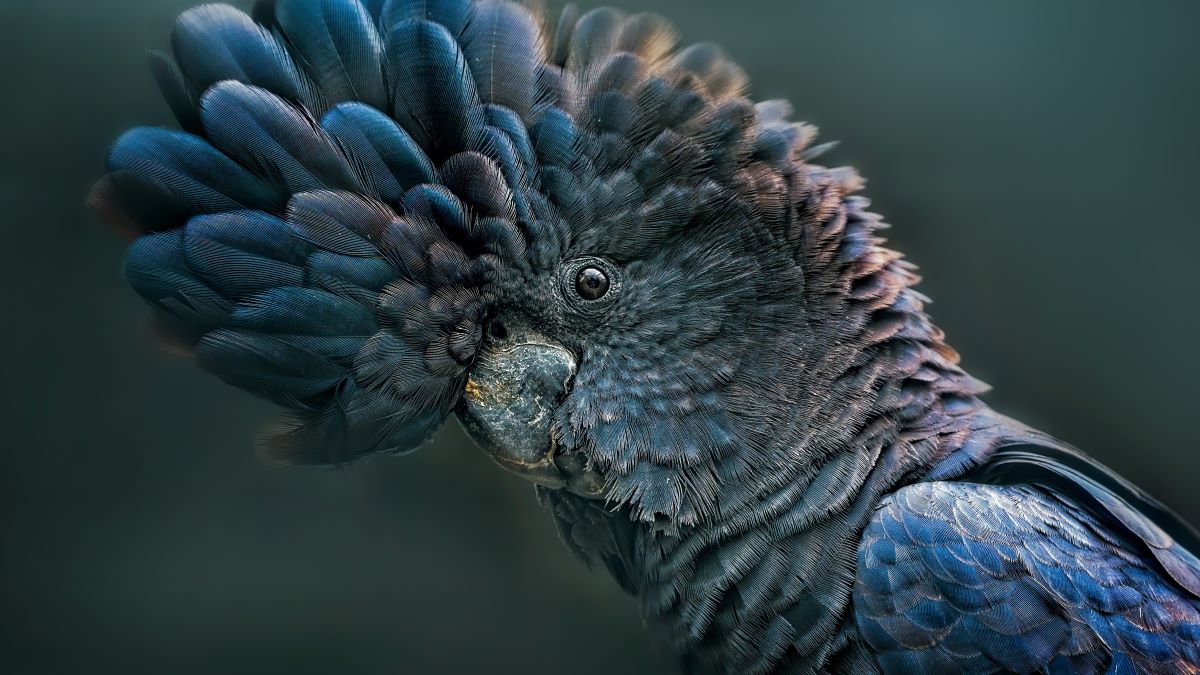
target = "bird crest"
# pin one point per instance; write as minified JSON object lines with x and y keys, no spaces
{"x":359,"y":186}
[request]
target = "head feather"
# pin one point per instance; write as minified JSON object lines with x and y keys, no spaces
{"x":360,"y":182}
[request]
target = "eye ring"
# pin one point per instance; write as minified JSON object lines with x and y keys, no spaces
{"x":592,"y":283}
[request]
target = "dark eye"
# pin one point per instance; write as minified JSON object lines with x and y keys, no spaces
{"x":591,"y":283}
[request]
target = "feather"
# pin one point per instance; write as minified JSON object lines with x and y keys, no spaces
{"x":498,"y":146}
{"x":594,"y":37}
{"x":276,"y":139}
{"x":243,"y":253}
{"x":188,"y":176}
{"x":722,"y":77}
{"x":621,"y":73}
{"x":647,"y":35}
{"x":561,"y":44}
{"x":453,"y":15}
{"x":555,"y":138}
{"x":439,"y":205}
{"x":217,"y":42}
{"x":374,"y":8}
{"x":1167,"y":537}
{"x":503,"y":45}
{"x":507,"y":121}
{"x":479,"y":182}
{"x":336,"y":43}
{"x":961,"y":575}
{"x":353,"y":277}
{"x":263,"y":13}
{"x":433,"y":90}
{"x":156,"y":268}
{"x":267,"y":366}
{"x":355,"y":424}
{"x":180,"y":94}
{"x":293,"y":311}
{"x":389,"y":160}
{"x":339,"y":222}
{"x":133,"y":206}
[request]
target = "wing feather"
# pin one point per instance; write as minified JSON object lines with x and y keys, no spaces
{"x":981,"y":578}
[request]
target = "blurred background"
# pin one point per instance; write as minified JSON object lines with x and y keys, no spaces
{"x":1037,"y":159}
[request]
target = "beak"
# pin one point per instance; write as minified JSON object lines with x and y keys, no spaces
{"x":509,"y":403}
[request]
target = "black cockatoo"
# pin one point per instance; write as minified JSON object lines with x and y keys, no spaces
{"x":639,"y":290}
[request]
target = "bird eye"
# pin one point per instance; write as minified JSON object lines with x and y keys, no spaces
{"x":592,"y":283}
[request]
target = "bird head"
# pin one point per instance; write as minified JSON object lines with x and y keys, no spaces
{"x":626,"y":279}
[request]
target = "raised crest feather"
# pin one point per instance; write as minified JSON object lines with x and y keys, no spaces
{"x":405,"y":159}
{"x":337,"y":44}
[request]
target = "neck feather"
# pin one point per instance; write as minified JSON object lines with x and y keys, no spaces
{"x":875,"y":400}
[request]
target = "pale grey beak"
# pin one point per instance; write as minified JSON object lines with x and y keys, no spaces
{"x":508,"y":407}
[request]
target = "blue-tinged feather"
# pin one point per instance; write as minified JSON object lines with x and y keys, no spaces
{"x":498,"y":146}
{"x":388,"y":158}
{"x":276,"y":139}
{"x":440,"y":206}
{"x":454,"y":15}
{"x":566,"y":193}
{"x":556,"y":138}
{"x":243,"y":253}
{"x":304,"y":311}
{"x":351,"y":276}
{"x":1168,"y":538}
{"x":433,"y":90}
{"x":507,"y":121}
{"x":192,"y":175}
{"x":337,"y":44}
{"x":268,"y":366}
{"x":504,"y":47}
{"x":263,"y":13}
{"x":156,"y":268}
{"x":1056,"y":592}
{"x":374,"y":8}
{"x":339,"y":222}
{"x":217,"y":42}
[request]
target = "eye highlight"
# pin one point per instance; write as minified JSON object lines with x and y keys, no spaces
{"x":591,"y":283}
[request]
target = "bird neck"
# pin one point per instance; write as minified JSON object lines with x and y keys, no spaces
{"x":767,"y":581}
{"x":868,"y":398}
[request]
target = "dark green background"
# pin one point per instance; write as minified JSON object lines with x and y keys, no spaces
{"x":1037,"y":157}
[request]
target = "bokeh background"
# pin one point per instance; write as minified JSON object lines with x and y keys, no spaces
{"x":1038,"y":160}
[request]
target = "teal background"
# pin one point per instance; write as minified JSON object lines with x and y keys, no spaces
{"x":1037,"y":158}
